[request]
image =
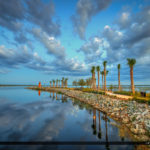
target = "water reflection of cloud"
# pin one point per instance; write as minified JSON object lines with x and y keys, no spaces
{"x":16,"y":119}
{"x":51,"y":128}
{"x":74,"y":111}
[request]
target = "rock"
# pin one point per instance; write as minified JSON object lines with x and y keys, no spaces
{"x":142,"y":131}
{"x":116,"y":109}
{"x":138,"y":117}
{"x":148,"y":117}
{"x":144,"y":138}
{"x":134,"y":130}
{"x":128,"y":125}
{"x":118,"y":115}
{"x":121,"y":108}
{"x":145,"y":112}
{"x":113,"y":114}
{"x":114,"y":124}
{"x":125,"y":120}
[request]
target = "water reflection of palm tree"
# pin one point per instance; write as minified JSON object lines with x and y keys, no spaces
{"x":107,"y":142}
{"x":56,"y":96}
{"x":53,"y":96}
{"x":62,"y":98}
{"x":121,"y":133}
{"x":50,"y":95}
{"x":99,"y":133}
{"x":39,"y":92}
{"x":94,"y":122}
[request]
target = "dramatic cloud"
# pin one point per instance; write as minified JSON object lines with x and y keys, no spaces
{"x":34,"y":12}
{"x":41,"y":14}
{"x":124,"y":20}
{"x":31,"y":27}
{"x":60,"y":62}
{"x":133,"y":40}
{"x":114,"y":37}
{"x":92,"y":49}
{"x":70,"y":67}
{"x":21,"y":38}
{"x":85,"y":10}
{"x":15,"y":58}
{"x":12,"y":13}
{"x":51,"y":44}
{"x":12,"y":58}
{"x":130,"y":38}
{"x":138,"y":27}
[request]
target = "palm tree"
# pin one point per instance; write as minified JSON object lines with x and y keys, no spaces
{"x":50,"y":83}
{"x":53,"y":83}
{"x":102,"y":73}
{"x":93,"y":77}
{"x":104,"y":64}
{"x":98,"y":74}
{"x":131,"y":63}
{"x":66,"y":83}
{"x":57,"y":83}
{"x":62,"y":82}
{"x":119,"y":66}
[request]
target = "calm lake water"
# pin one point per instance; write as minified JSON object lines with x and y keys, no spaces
{"x":27,"y":115}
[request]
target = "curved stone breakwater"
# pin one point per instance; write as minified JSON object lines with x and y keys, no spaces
{"x":135,"y":116}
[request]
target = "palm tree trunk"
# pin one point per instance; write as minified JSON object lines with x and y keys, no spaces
{"x":102,"y":82}
{"x":98,"y":81}
{"x":94,"y":82}
{"x":62,"y":84}
{"x":92,"y":85}
{"x":119,"y":79}
{"x":105,"y":79}
{"x":132,"y":81}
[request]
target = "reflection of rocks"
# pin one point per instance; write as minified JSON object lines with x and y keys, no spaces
{"x":129,"y":113}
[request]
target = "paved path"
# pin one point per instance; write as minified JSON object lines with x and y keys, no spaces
{"x":119,"y":95}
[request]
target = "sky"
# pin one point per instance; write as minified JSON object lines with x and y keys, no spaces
{"x":42,"y":40}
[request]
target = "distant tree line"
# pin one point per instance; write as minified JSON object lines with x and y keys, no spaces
{"x":82,"y":82}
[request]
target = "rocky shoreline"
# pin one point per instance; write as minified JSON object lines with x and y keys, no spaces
{"x":135,"y":116}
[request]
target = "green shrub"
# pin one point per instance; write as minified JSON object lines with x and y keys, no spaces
{"x":148,"y":102}
{"x":134,"y":118}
